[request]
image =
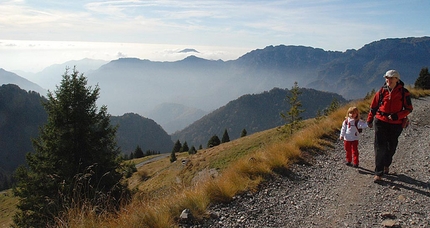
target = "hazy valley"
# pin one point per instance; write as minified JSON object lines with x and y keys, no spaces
{"x":193,"y":99}
{"x":201,"y":86}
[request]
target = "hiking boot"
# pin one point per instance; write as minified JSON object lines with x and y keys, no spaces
{"x":377,"y":179}
{"x":386,"y":170}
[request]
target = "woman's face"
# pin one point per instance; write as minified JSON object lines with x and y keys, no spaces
{"x":391,"y":81}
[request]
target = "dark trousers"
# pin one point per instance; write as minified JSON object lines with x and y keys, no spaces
{"x":386,"y":140}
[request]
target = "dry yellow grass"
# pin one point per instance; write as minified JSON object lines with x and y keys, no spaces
{"x":7,"y":207}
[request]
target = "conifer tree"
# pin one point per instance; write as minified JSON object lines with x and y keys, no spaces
{"x":293,"y":115}
{"x":173,"y":156}
{"x":243,"y":133}
{"x":138,"y":152}
{"x":192,"y":150}
{"x":75,"y":160}
{"x":225,"y":138}
{"x":213,"y":141}
{"x":370,"y":94}
{"x":423,"y":81}
{"x":319,"y":116}
{"x":334,"y":105}
{"x":177,"y":147}
{"x":185,"y":147}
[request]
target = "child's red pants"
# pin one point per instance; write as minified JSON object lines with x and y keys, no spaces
{"x":351,"y":148}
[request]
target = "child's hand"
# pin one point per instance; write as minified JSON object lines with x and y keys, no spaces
{"x":340,"y":138}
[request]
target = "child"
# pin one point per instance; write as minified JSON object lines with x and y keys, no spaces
{"x":350,"y":134}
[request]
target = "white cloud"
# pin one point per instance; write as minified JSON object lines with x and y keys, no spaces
{"x":327,"y":24}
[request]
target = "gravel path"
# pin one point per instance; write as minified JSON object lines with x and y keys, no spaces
{"x":327,"y":193}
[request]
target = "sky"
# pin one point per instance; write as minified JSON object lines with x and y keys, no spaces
{"x":35,"y":34}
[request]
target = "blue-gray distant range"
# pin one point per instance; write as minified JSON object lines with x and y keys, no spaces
{"x":157,"y":89}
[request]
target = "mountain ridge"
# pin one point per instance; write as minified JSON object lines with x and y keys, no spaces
{"x":193,"y":80}
{"x":254,"y":113}
{"x":7,"y":77}
{"x":138,"y":86}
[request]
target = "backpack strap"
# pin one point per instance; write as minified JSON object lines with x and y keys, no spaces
{"x":356,"y":125}
{"x":381,"y":97}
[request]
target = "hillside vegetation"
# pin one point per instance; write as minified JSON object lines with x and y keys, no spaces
{"x":215,"y":175}
{"x":7,"y":207}
{"x":22,"y":115}
{"x":254,"y":113}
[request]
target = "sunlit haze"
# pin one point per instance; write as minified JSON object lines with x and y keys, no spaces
{"x":33,"y":56}
{"x":37,"y":34}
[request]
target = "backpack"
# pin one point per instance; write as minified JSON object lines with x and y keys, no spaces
{"x":405,"y":121}
{"x":356,"y":125}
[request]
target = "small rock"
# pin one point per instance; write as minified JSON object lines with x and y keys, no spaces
{"x":186,"y":214}
{"x":388,"y":215}
{"x":395,"y":188}
{"x":389,"y":223}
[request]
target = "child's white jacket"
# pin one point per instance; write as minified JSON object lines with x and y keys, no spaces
{"x":349,"y":132}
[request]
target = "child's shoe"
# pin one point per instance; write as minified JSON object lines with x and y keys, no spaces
{"x":355,"y":165}
{"x":348,"y":164}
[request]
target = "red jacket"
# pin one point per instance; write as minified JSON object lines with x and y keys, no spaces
{"x":395,"y":103}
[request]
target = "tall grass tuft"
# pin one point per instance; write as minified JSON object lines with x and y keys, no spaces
{"x":279,"y":155}
{"x":195,"y":199}
{"x":223,"y":189}
{"x":145,"y":214}
{"x":85,"y":215}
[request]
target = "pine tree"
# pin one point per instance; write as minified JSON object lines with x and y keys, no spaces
{"x":293,"y":115}
{"x":213,"y":141}
{"x":138,"y":152}
{"x":75,"y":160}
{"x":185,"y":147}
{"x":319,"y":116}
{"x":173,"y":156}
{"x":225,"y":138}
{"x":177,"y":147}
{"x":192,"y":150}
{"x":243,"y":133}
{"x":423,"y":81}
{"x":334,"y":105}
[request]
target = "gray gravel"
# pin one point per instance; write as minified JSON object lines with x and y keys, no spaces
{"x":327,"y":193}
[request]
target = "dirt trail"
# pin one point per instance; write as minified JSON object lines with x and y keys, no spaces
{"x":327,"y":193}
{"x":403,"y":198}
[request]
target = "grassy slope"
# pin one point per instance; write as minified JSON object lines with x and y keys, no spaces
{"x":7,"y":208}
{"x":216,"y":174}
{"x":161,"y":175}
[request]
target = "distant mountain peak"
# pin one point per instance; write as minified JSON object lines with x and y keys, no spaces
{"x":193,"y":58}
{"x":187,"y":50}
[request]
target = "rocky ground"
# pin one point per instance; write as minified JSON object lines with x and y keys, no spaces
{"x":327,"y":193}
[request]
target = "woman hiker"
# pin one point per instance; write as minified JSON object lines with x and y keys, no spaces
{"x":390,"y":105}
